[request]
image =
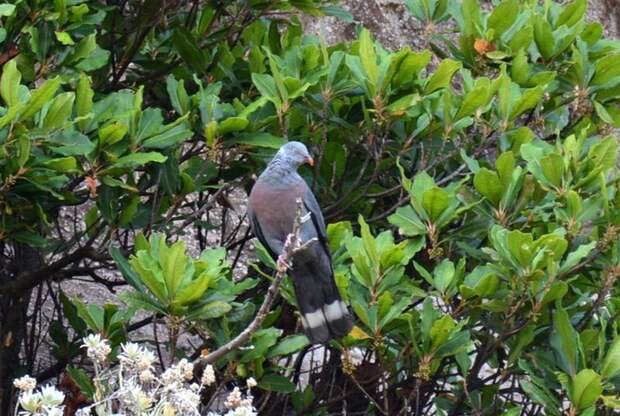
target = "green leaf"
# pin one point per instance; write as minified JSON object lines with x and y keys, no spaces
{"x":567,"y":338}
{"x":442,"y":76}
{"x":24,"y":146}
{"x":211,"y":310}
{"x":173,"y":263}
{"x":572,"y":13}
{"x":144,"y":301}
{"x":576,"y":256}
{"x":83,"y":49}
{"x":64,"y":38}
{"x":528,"y":100}
{"x":404,"y":103}
{"x":457,"y":343}
{"x":94,"y":60}
{"x":84,"y":100}
{"x":611,"y":362}
{"x":370,"y":245}
{"x":9,"y":83}
{"x":82,"y":380}
{"x":39,"y":97}
{"x":444,"y":274}
{"x":63,"y":164}
{"x":187,"y":46}
{"x":276,"y":382}
{"x":407,"y":221}
{"x":168,"y":138}
{"x":150,"y":274}
{"x":337,"y":12}
{"x":194,"y":290}
{"x":503,"y":17}
{"x":368,"y":57}
{"x":435,"y":201}
{"x":266,"y":85}
{"x":7,"y":9}
{"x":603,"y":153}
{"x":112,"y":133}
{"x":288,"y":345}
{"x":488,"y":184}
{"x":471,"y":17}
{"x":540,"y":395}
{"x":586,"y":388}
{"x":520,"y":69}
{"x":441,"y":330}
{"x":261,"y":140}
{"x":123,"y":266}
{"x":138,"y":159}
{"x":232,"y":124}
{"x":552,"y":166}
{"x":543,"y":35}
{"x":178,"y":95}
{"x":474,"y":100}
{"x":59,"y":111}
{"x":515,"y":411}
{"x":408,"y":69}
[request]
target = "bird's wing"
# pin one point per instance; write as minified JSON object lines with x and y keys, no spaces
{"x":258,"y":232}
{"x":311,"y":204}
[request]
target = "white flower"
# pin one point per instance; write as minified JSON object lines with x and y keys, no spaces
{"x":186,"y":368}
{"x":25,"y":383}
{"x":50,"y":396}
{"x":142,"y":400}
{"x":234,"y":399}
{"x":208,"y":376}
{"x":30,"y":401}
{"x":97,"y":348}
{"x":185,"y":401}
{"x":146,"y":376}
{"x":131,"y":353}
{"x":250,"y":382}
{"x":55,"y":411}
{"x":146,"y":360}
{"x":168,"y":410}
{"x":242,"y":411}
{"x":170,"y":377}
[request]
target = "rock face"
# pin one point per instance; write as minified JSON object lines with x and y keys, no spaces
{"x":392,"y":24}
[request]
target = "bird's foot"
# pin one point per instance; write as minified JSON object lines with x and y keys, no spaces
{"x":282,"y":265}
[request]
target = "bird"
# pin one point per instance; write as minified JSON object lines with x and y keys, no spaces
{"x":272,"y":210}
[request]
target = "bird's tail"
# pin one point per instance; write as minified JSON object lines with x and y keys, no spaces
{"x":332,"y":320}
{"x":323,"y":313}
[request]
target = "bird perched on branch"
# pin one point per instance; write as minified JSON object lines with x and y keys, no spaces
{"x":272,"y":210}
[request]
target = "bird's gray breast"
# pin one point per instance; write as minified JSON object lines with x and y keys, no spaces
{"x":275,"y":207}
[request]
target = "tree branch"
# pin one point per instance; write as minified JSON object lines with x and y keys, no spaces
{"x":26,"y":281}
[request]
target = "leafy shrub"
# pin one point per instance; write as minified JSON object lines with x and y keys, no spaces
{"x":482,"y":175}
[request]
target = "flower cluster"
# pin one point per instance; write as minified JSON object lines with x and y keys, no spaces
{"x":97,"y":348}
{"x":134,"y":388}
{"x":46,"y":401}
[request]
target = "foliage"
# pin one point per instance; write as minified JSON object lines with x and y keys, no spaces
{"x":472,"y":191}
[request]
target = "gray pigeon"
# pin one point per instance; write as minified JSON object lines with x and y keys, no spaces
{"x":272,"y":211}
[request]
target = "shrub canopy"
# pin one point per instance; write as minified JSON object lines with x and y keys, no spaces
{"x":471,"y":189}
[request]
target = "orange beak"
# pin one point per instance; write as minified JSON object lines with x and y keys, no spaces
{"x":310,"y":161}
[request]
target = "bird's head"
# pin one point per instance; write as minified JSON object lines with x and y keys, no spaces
{"x":295,"y":154}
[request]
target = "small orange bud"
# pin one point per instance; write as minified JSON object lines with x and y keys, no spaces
{"x":483,"y":46}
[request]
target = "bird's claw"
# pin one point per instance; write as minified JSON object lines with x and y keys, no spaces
{"x":282,"y":265}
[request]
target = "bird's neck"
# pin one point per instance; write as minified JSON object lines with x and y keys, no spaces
{"x":280,"y":173}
